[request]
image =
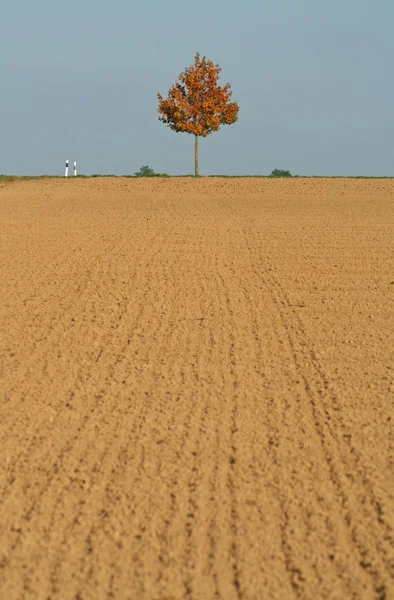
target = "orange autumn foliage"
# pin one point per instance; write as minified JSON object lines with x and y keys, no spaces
{"x":197,"y":104}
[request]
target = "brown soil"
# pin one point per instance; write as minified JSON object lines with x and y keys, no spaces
{"x":197,"y":388}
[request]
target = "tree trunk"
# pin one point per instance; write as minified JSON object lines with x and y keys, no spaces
{"x":196,"y":155}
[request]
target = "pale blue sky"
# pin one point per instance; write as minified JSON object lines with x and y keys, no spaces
{"x":313,"y":78}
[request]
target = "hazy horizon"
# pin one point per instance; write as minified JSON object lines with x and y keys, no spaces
{"x":312,"y":83}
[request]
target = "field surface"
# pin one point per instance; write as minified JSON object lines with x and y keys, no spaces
{"x":196,"y":389}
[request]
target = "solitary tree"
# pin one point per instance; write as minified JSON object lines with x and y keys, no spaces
{"x":197,"y":104}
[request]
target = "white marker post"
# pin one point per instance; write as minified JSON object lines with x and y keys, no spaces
{"x":75,"y":169}
{"x":66,"y":175}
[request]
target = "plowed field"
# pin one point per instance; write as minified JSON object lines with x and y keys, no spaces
{"x":197,"y":385}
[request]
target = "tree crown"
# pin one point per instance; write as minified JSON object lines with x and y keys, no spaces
{"x":196,"y":103}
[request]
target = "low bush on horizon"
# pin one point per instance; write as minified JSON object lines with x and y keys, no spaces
{"x":280,"y":173}
{"x":146,"y":171}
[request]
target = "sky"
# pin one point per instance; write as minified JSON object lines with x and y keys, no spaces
{"x":313,"y":80}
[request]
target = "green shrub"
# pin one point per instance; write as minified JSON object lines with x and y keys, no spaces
{"x":280,"y":173}
{"x":146,"y":171}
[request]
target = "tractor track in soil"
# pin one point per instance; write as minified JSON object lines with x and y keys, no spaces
{"x":341,"y":458}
